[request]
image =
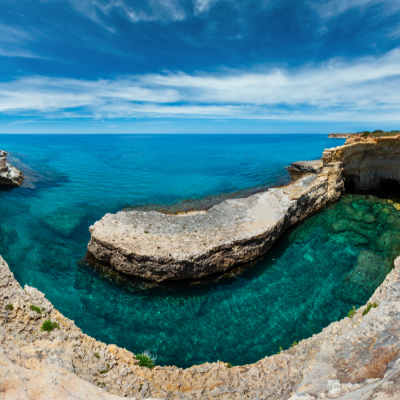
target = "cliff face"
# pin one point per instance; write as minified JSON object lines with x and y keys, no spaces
{"x":160,"y":247}
{"x":367,"y":162}
{"x":9,"y":175}
{"x":357,"y":359}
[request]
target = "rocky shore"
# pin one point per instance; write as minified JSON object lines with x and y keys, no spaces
{"x":158,"y":247}
{"x":9,"y":175}
{"x":355,"y":358}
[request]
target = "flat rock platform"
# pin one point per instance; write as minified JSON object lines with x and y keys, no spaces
{"x":158,"y":247}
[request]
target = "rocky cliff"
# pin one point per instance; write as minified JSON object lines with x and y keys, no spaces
{"x":367,"y":162}
{"x":9,"y":175}
{"x":354,"y":359}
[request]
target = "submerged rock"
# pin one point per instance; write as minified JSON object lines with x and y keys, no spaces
{"x":369,"y":272}
{"x":9,"y":175}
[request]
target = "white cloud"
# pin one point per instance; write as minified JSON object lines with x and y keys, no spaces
{"x":364,"y":89}
{"x":332,"y":8}
{"x":151,"y":10}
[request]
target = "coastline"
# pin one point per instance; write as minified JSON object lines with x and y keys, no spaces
{"x":352,"y":358}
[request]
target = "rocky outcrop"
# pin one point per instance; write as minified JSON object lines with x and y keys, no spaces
{"x":367,"y":162}
{"x":356,"y":358}
{"x":159,"y":247}
{"x":304,"y":167}
{"x":9,"y":175}
{"x":341,"y":135}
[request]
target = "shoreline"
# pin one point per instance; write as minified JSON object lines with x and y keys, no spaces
{"x":354,"y":358}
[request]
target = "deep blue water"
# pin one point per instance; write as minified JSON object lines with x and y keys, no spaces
{"x":73,"y":180}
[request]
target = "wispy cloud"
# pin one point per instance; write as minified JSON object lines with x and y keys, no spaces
{"x":149,"y":10}
{"x":364,"y":89}
{"x":332,"y":8}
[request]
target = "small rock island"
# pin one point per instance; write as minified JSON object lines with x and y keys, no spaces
{"x":9,"y":175}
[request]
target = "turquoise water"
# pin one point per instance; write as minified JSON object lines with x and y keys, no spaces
{"x":315,"y":274}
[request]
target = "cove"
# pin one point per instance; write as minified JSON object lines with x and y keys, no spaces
{"x":313,"y":276}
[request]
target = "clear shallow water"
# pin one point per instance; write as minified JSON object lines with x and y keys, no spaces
{"x":316,"y":273}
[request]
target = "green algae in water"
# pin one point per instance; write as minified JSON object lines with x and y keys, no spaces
{"x":312,"y":277}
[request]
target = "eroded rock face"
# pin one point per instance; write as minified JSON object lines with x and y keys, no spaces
{"x":159,"y":247}
{"x":9,"y":175}
{"x":368,"y":162}
{"x":355,"y":359}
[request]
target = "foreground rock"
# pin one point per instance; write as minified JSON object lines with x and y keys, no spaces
{"x":357,"y":359}
{"x":9,"y":175}
{"x":159,"y":247}
{"x":314,"y":167}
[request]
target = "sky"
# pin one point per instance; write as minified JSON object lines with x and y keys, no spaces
{"x":199,"y":66}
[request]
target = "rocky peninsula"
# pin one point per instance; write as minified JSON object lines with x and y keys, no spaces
{"x":157,"y":246}
{"x":9,"y":175}
{"x":341,"y":135}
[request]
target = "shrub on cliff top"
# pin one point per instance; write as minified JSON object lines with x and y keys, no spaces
{"x":49,"y":326}
{"x":34,"y":308}
{"x":146,"y":360}
{"x":9,"y":307}
{"x":369,"y":306}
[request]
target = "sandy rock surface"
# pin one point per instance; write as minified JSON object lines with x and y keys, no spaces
{"x":157,"y":246}
{"x":9,"y":175}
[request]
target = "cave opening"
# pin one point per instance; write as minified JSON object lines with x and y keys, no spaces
{"x":387,"y":188}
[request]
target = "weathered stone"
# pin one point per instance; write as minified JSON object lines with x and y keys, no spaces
{"x":9,"y":175}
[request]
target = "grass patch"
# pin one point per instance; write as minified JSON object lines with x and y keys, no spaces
{"x":37,"y":309}
{"x":369,"y":306}
{"x":352,"y":312}
{"x":49,"y":326}
{"x":228,"y":365}
{"x":97,"y":355}
{"x":103,"y":371}
{"x":9,"y":307}
{"x":146,"y":360}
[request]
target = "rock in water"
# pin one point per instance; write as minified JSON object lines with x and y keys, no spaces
{"x":9,"y":175}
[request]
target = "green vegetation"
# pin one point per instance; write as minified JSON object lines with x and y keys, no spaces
{"x":294,"y":344}
{"x":49,"y":326}
{"x":369,"y":306}
{"x":101,"y":384}
{"x":379,"y":133}
{"x":9,"y":307}
{"x":103,"y":371}
{"x":280,"y":350}
{"x":97,"y":355}
{"x":352,"y":313}
{"x":146,"y":360}
{"x":228,"y":365}
{"x":34,"y":308}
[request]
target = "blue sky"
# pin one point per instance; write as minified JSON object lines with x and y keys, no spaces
{"x":202,"y":66}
